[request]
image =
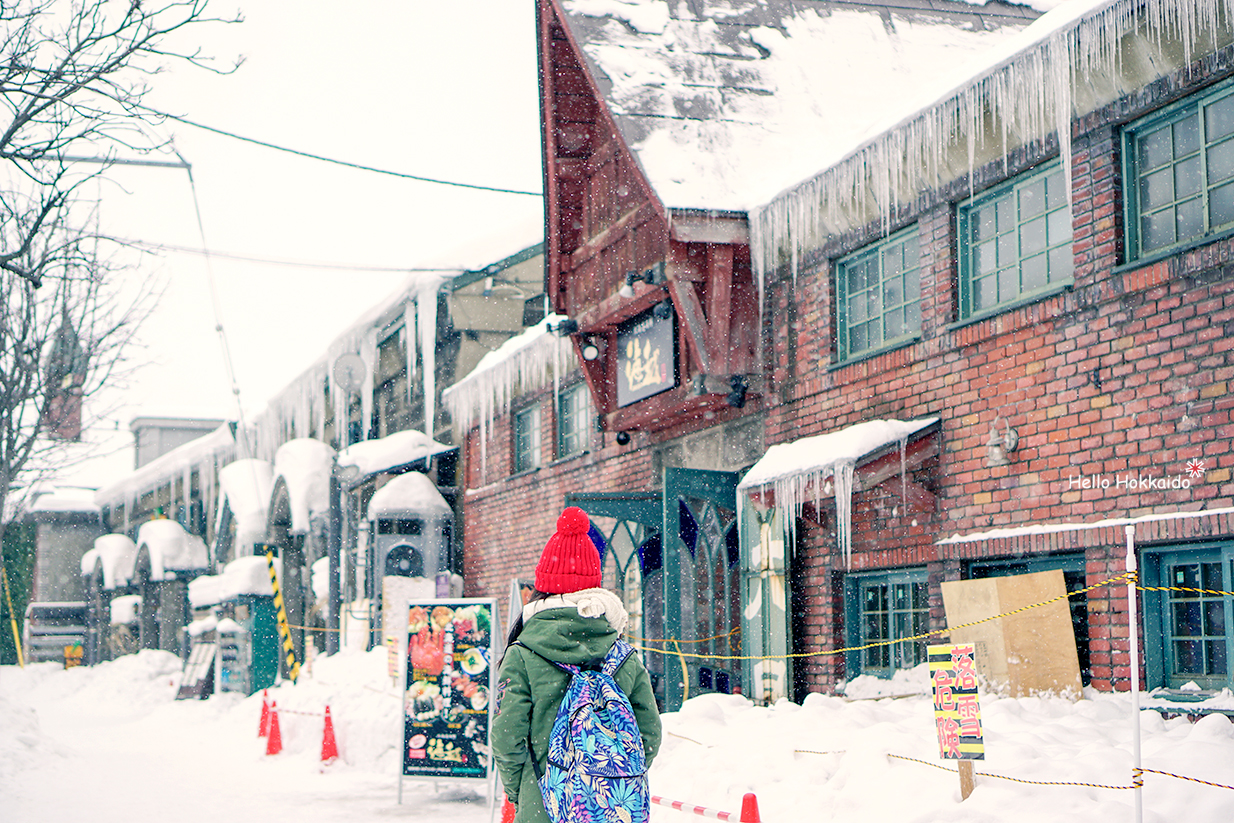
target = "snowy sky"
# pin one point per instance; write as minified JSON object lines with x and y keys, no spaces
{"x":410,"y":86}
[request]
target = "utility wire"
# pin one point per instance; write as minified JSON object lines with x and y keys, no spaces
{"x":346,"y":163}
{"x":152,"y":246}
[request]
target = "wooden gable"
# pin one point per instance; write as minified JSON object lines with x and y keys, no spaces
{"x":604,"y":222}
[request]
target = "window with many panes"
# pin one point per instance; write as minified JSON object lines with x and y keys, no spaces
{"x":884,"y":611}
{"x":574,"y":416}
{"x":879,"y":295}
{"x":526,"y":439}
{"x":1015,"y":242}
{"x":1189,"y":629}
{"x":1180,"y":173}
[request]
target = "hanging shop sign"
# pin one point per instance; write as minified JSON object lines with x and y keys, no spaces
{"x":447,"y":703}
{"x":646,"y":357}
{"x":953,"y":679}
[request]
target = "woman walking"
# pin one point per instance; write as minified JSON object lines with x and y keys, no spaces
{"x":570,"y":620}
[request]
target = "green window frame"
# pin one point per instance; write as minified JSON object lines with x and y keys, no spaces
{"x":1189,"y":621}
{"x":885,"y":608}
{"x":574,"y":416}
{"x":1179,"y":173}
{"x":879,"y":295}
{"x":526,"y":439}
{"x":1014,"y":242}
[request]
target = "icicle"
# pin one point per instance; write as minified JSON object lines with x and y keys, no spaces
{"x":844,"y":510}
{"x":426,"y":303}
{"x":411,"y":333}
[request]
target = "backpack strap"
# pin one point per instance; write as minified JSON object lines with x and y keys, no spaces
{"x":616,"y":656}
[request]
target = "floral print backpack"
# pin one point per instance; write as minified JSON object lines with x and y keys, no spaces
{"x":597,"y":771}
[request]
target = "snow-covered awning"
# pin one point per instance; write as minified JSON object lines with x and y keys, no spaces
{"x":305,"y":466}
{"x":796,"y":471}
{"x":246,"y":486}
{"x":116,"y":553}
{"x":171,"y":548}
{"x":244,"y":575}
{"x":394,"y":451}
{"x":411,"y":493}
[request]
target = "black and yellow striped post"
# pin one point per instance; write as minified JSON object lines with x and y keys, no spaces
{"x":293,"y":668}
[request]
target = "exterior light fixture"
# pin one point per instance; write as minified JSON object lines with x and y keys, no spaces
{"x":663,"y":310}
{"x":590,"y":350}
{"x":566,"y":327}
{"x":623,"y":438}
{"x":737,"y":391}
{"x":999,"y":445}
{"x":627,"y":290}
{"x":653,"y":276}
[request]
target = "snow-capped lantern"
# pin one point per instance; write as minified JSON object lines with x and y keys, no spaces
{"x":412,"y":528}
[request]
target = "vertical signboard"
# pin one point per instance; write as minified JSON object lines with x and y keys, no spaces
{"x":953,"y":679}
{"x":646,"y":357}
{"x":447,"y":699}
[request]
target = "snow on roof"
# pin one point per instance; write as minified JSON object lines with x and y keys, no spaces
{"x":1030,"y":84}
{"x":797,"y":468}
{"x":394,"y":450}
{"x":726,"y":102}
{"x":411,"y":493}
{"x":117,"y":554}
{"x":57,"y":499}
{"x":305,"y":466}
{"x":171,"y":548}
{"x":217,"y":446}
{"x":524,"y":363}
{"x":242,"y":576}
{"x":246,"y":485}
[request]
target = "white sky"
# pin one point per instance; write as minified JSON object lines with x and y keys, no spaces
{"x":424,"y":88}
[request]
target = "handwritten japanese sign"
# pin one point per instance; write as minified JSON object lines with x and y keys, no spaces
{"x":953,"y":678}
{"x":645,"y":358}
{"x":446,"y":710}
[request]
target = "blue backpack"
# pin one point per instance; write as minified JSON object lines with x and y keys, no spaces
{"x":597,"y":770}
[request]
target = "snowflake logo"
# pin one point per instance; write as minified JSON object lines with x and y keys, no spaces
{"x":1195,"y":468}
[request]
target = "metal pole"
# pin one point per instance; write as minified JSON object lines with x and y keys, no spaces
{"x":1133,"y":633}
{"x":334,"y":545}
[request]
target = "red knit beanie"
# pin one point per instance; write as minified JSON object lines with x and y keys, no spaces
{"x":570,"y":561}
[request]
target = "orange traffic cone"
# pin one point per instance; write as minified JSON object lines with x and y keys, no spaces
{"x":749,"y":809}
{"x":264,"y":727}
{"x":274,"y":740}
{"x":329,"y":749}
{"x":507,"y":810}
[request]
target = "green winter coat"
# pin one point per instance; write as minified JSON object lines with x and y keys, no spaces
{"x":530,"y":690}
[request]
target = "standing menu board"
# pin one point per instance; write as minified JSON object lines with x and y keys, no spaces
{"x":447,"y":701}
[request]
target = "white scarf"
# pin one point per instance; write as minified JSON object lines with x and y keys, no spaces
{"x":588,"y":602}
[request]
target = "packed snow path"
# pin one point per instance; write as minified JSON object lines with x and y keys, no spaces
{"x":110,"y":744}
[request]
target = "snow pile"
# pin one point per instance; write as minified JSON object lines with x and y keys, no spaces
{"x":171,"y":548}
{"x":244,"y":575}
{"x":116,"y":553}
{"x":305,"y":466}
{"x":124,"y":609}
{"x":832,"y":758}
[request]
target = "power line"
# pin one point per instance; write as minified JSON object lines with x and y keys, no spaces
{"x":346,"y":163}
{"x":279,"y":262}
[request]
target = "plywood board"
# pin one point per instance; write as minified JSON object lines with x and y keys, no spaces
{"x":1027,"y":652}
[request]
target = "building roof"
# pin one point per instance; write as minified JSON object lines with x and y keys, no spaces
{"x":727,"y":102}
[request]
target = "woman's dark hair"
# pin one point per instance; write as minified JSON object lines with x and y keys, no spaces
{"x":516,"y":628}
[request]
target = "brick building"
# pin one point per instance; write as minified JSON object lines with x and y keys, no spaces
{"x":973,"y":321}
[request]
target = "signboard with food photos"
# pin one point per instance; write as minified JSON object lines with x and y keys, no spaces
{"x":447,"y":705}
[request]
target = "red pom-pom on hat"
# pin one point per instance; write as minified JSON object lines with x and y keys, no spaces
{"x":570,"y":561}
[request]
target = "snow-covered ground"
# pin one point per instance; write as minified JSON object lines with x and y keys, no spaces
{"x":110,"y":744}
